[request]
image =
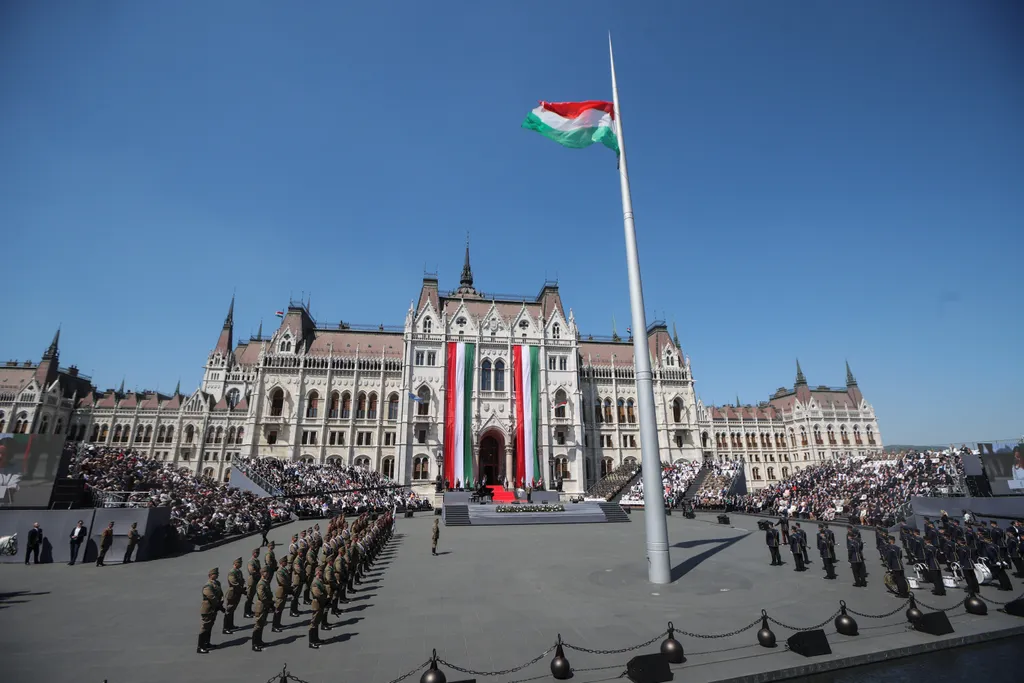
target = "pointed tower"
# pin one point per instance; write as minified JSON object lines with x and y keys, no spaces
{"x":738,"y":404}
{"x":675,"y":335}
{"x":259,"y":332}
{"x":221,"y":359}
{"x":120,"y":389}
{"x":466,"y":279}
{"x":224,"y":341}
{"x":46,"y":373}
{"x":851,"y":381}
{"x":800,"y":379}
{"x":852,"y":390}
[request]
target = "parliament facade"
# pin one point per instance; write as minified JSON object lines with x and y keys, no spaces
{"x":375,"y":398}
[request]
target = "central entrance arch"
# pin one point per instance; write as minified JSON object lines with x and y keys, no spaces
{"x":492,"y":447}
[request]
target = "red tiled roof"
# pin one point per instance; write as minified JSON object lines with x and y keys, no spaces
{"x":174,"y":403}
{"x":242,"y":406}
{"x":223,"y":346}
{"x":345,"y":343}
{"x":13,"y":379}
{"x":478,"y":308}
{"x":600,"y":353}
{"x":428,"y":293}
{"x":247,"y":353}
{"x":150,"y":401}
{"x":222,"y":404}
{"x":129,"y":401}
{"x":107,"y":400}
{"x":87,"y":401}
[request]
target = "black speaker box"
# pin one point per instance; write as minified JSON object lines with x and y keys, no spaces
{"x":723,"y":519}
{"x":437,"y":512}
{"x":934,"y":624}
{"x":809,"y":643}
{"x":668,"y":511}
{"x":649,"y":669}
{"x":1015,"y":608}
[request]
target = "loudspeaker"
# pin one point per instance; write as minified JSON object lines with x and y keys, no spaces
{"x":649,"y":669}
{"x":934,"y":624}
{"x":437,"y":512}
{"x":1015,"y":608}
{"x":408,"y":514}
{"x":628,"y":510}
{"x":723,"y":519}
{"x":809,"y":643}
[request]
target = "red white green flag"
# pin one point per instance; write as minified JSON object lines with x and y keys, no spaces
{"x":526,"y":376}
{"x":575,"y":124}
{"x":458,"y":416}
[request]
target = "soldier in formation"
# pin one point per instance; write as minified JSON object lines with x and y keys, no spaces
{"x":213,"y":602}
{"x":106,"y":540}
{"x":133,"y":540}
{"x":264,"y":603}
{"x":254,"y":571}
{"x":236,"y":587}
{"x":827,"y":550}
{"x":855,"y":553}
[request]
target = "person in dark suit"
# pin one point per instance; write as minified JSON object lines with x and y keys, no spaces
{"x":855,"y":553}
{"x":794,"y":546}
{"x":133,"y":540}
{"x":783,"y":524}
{"x":771,"y":539}
{"x":894,"y":563}
{"x":35,"y":542}
{"x":963,"y":558}
{"x":803,"y":542}
{"x":827,"y":550}
{"x":78,"y":535}
{"x":931,"y":561}
{"x":265,"y":529}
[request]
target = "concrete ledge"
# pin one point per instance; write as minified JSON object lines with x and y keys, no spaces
{"x":236,"y":537}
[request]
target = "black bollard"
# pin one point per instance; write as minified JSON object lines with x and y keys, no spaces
{"x":845,"y":624}
{"x":975,"y":605}
{"x":765,"y":637}
{"x":671,"y":648}
{"x":913,"y":613}
{"x":433,"y":674}
{"x":560,"y":668}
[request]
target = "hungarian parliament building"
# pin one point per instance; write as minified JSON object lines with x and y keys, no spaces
{"x":377,"y":398}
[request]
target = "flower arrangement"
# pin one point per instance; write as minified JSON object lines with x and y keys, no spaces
{"x":530,"y":508}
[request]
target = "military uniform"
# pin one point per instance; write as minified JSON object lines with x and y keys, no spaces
{"x":236,"y":587}
{"x":298,"y":577}
{"x":262,"y":607}
{"x":255,"y":574}
{"x":213,"y":602}
{"x":133,"y":540}
{"x":270,"y":560}
{"x":106,"y":540}
{"x":311,"y":565}
{"x":855,"y":554}
{"x":281,"y":593}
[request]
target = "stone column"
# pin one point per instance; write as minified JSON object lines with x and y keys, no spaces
{"x":508,"y":465}
{"x":476,"y":464}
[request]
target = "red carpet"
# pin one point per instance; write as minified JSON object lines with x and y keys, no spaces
{"x":501,"y":495}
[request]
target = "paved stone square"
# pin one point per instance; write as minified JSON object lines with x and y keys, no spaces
{"x":494,"y":598}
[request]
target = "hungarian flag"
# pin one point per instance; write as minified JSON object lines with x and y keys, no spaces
{"x":575,"y":124}
{"x":458,"y":416}
{"x":526,"y":377}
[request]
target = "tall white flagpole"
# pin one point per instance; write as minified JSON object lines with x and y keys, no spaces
{"x":659,"y":568}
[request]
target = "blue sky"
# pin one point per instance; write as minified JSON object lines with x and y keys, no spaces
{"x":826,"y":181}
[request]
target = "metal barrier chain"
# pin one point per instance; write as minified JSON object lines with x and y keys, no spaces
{"x":404,"y":676}
{"x":277,"y":677}
{"x":615,"y":652}
{"x":292,"y":678}
{"x":945,"y":609}
{"x":996,"y":602}
{"x":878,"y":616}
{"x":809,"y":628}
{"x":720,"y":635}
{"x":504,"y":672}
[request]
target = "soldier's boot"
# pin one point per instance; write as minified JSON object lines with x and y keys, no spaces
{"x":313,"y":643}
{"x":247,"y":611}
{"x":323,"y":622}
{"x":276,"y":628}
{"x":257,"y":640}
{"x":305,"y":596}
{"x":295,"y":604}
{"x":229,"y":624}
{"x":209,"y":645}
{"x":343,"y":599}
{"x":201,"y":646}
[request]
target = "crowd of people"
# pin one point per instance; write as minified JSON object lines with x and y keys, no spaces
{"x":675,"y":479}
{"x":714,"y":490}
{"x":313,"y":490}
{"x":872,"y":490}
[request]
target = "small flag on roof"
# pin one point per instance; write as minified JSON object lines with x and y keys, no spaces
{"x":279,"y":314}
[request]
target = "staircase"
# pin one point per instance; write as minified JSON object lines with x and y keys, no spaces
{"x":613,"y":484}
{"x":627,"y":486}
{"x":456,"y":515}
{"x":613,"y":512}
{"x":499,"y":494}
{"x":69,"y":494}
{"x":698,"y":481}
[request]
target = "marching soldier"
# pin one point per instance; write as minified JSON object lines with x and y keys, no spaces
{"x":213,"y":602}
{"x":894,"y":562}
{"x":794,"y":546}
{"x":341,"y":576}
{"x":293,"y":547}
{"x":133,"y":540}
{"x":855,"y":553}
{"x":783,"y":524}
{"x":311,"y":565}
{"x":236,"y":586}
{"x":319,"y":592}
{"x":298,"y":578}
{"x":106,"y":540}
{"x":803,"y":542}
{"x":771,"y":539}
{"x":931,"y":561}
{"x":270,"y":559}
{"x":265,"y":529}
{"x":281,"y":593}
{"x":263,"y":606}
{"x":966,"y":562}
{"x":330,"y":580}
{"x":253,"y":568}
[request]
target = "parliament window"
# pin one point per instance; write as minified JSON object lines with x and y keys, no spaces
{"x":421,"y":436}
{"x":563,"y":362}
{"x":364,"y":439}
{"x":337,"y":438}
{"x":431,"y":357}
{"x":308,"y":438}
{"x":419,"y":357}
{"x":389,"y":438}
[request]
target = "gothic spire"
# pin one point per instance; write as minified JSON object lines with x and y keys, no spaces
{"x":675,"y":335}
{"x":52,"y":351}
{"x":177,"y":388}
{"x":738,"y":404}
{"x":851,"y":381}
{"x":259,"y":332}
{"x":229,"y":321}
{"x":800,"y":379}
{"x":467,"y":273}
{"x":121,"y":388}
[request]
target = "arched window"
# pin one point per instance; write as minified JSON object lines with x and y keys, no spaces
{"x":276,"y":403}
{"x":312,"y":404}
{"x":363,"y":462}
{"x":335,"y":405}
{"x":871,"y":436}
{"x":755,"y":472}
{"x":334,"y":461}
{"x":387,"y":467}
{"x":361,"y":407}
{"x":785,"y":472}
{"x":239,"y":434}
{"x":499,"y":375}
{"x":44,"y":424}
{"x":371,"y":413}
{"x":169,"y":438}
{"x":771,"y":473}
{"x":485,"y":376}
{"x":103,"y":432}
{"x":160,"y":433}
{"x":208,"y":472}
{"x":677,"y":410}
{"x":421,"y":467}
{"x":346,"y":406}
{"x":856,"y":434}
{"x":117,"y":433}
{"x":608,"y":410}
{"x":231,"y":436}
{"x":622,"y":410}
{"x":95,"y":433}
{"x":817,"y":435}
{"x":2,"y":422}
{"x":428,"y":325}
{"x":209,"y":434}
{"x":560,"y":403}
{"x":803,"y":436}
{"x":556,"y":331}
{"x":843,"y":436}
{"x":562,"y":468}
{"x":190,"y":433}
{"x":423,"y":405}
{"x":219,"y":435}
{"x":21,"y":424}
{"x":597,"y":411}
{"x":286,"y":344}
{"x":234,"y":396}
{"x":704,"y":440}
{"x":393,"y":407}
{"x":148,"y":435}
{"x":630,"y":412}
{"x":59,"y":429}
{"x":831,"y":435}
{"x":607,"y":465}
{"x":631,"y":461}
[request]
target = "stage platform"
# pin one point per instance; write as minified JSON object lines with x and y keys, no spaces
{"x":475,"y":514}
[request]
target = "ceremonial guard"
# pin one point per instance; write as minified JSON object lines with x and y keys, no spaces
{"x":794,"y":546}
{"x":931,"y":562}
{"x":783,"y":525}
{"x":213,"y":602}
{"x":827,"y":551}
{"x":236,"y":587}
{"x":331,"y":581}
{"x":311,"y":565}
{"x":265,"y":529}
{"x":947,"y":549}
{"x":293,"y":547}
{"x":855,"y":553}
{"x":253,"y":569}
{"x":993,"y":558}
{"x":996,"y":534}
{"x":133,"y":540}
{"x":281,"y":593}
{"x":262,"y":607}
{"x":106,"y":540}
{"x":319,"y":593}
{"x":270,"y":559}
{"x":966,"y":562}
{"x":798,"y":530}
{"x":917,"y":547}
{"x":298,"y":578}
{"x":1013,"y":543}
{"x":894,"y":563}
{"x":771,"y":539}
{"x":435,"y":534}
{"x":341,"y":578}
{"x":880,"y":543}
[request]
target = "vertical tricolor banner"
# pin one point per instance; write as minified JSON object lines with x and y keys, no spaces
{"x":458,"y":415}
{"x":526,"y":369}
